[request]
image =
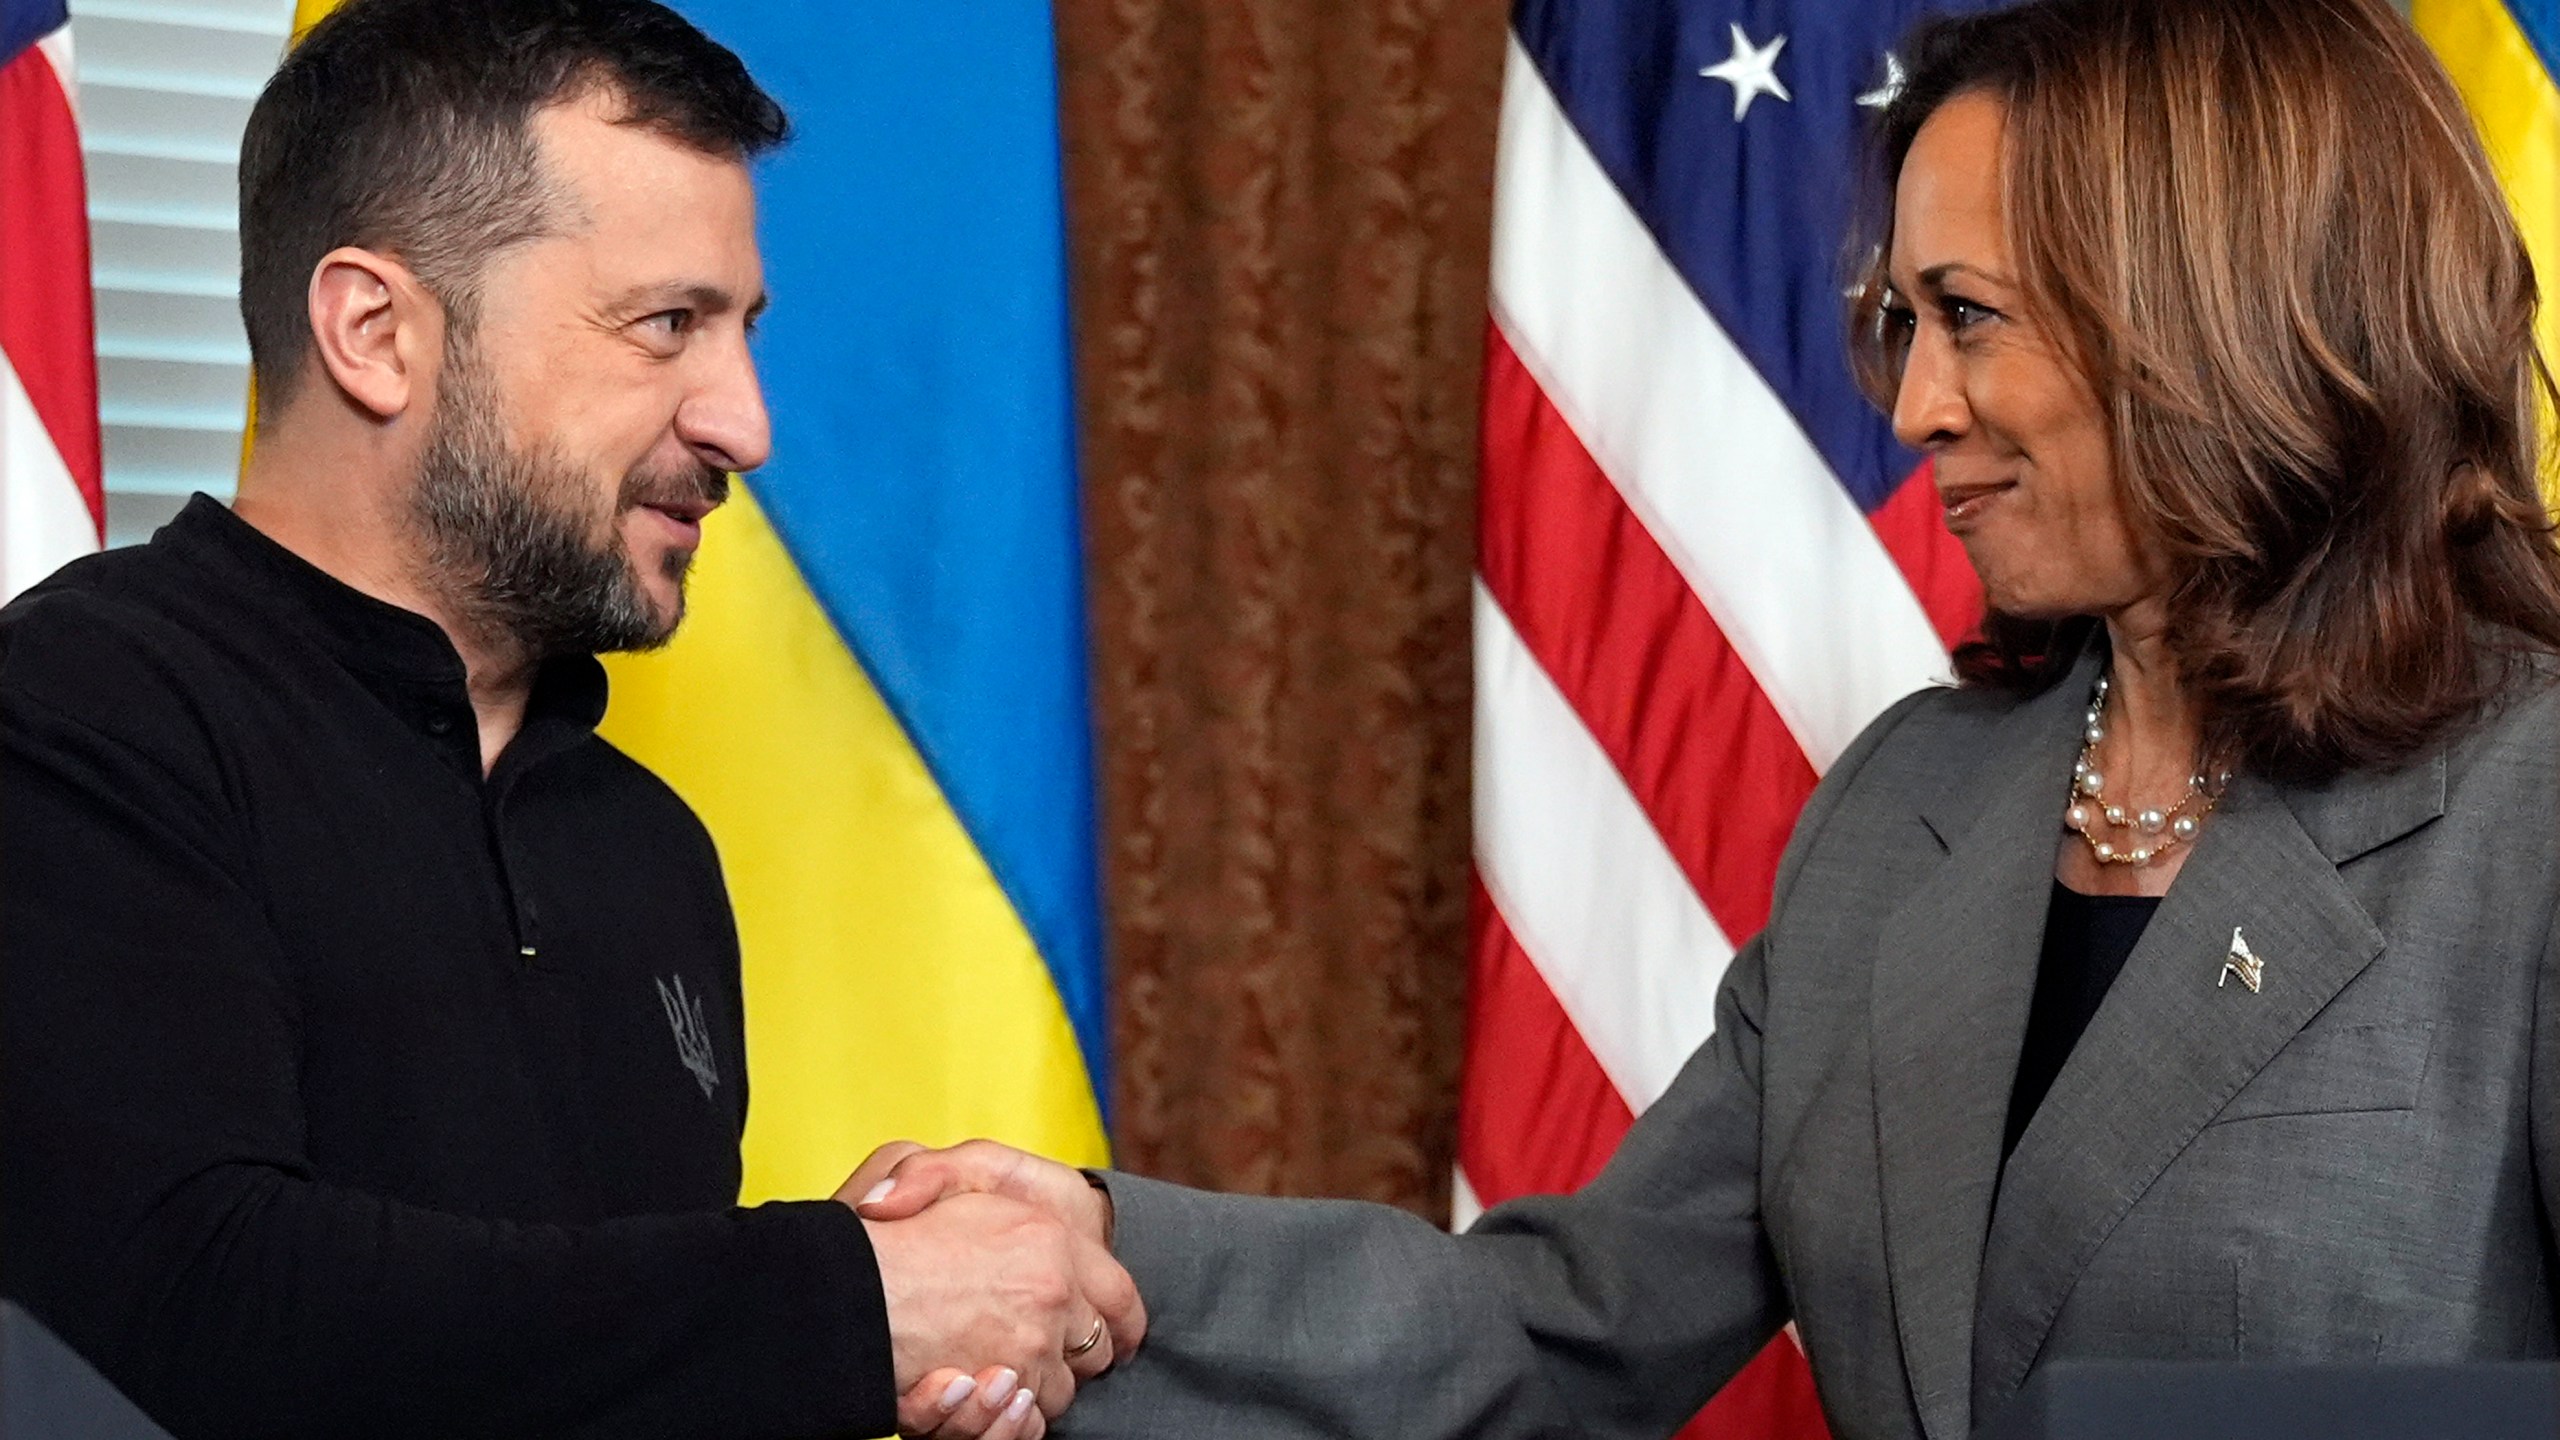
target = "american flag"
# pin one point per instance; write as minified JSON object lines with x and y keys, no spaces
{"x":52,"y":503}
{"x":1705,"y":563}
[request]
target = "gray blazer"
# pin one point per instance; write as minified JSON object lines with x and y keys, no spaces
{"x":2359,"y":1161}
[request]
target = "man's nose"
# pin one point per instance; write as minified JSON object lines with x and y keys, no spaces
{"x":724,"y":420}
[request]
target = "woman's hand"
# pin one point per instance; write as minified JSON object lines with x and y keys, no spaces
{"x":991,"y":1405}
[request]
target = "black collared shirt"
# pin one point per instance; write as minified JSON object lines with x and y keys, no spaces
{"x":346,"y":1092}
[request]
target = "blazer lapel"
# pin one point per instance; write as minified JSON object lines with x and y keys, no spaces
{"x":2176,"y":1039}
{"x":1954,"y":973}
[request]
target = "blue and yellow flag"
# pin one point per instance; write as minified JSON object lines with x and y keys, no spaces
{"x":2504,"y":55}
{"x":879,"y":700}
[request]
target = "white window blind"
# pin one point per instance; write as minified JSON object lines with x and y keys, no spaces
{"x":165,"y":88}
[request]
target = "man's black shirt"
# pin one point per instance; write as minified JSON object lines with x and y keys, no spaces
{"x":344,"y":1091}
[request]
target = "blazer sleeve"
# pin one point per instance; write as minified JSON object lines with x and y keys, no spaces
{"x":2543,"y":1094}
{"x":1613,"y":1312}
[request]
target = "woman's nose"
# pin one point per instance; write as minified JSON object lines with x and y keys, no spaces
{"x":1929,"y":411}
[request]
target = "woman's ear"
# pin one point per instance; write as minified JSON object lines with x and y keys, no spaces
{"x":374,"y":328}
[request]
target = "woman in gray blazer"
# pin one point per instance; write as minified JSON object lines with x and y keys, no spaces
{"x":2179,"y":985}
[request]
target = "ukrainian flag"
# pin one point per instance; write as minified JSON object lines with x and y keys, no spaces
{"x":2503,"y":55}
{"x":878,"y":701}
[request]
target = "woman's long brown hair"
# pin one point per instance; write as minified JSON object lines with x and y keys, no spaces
{"x":2267,"y":232}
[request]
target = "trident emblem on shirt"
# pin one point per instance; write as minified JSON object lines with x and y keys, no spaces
{"x":693,"y":1037}
{"x":2243,"y":962}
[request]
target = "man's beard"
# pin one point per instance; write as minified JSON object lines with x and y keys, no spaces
{"x":514,"y":542}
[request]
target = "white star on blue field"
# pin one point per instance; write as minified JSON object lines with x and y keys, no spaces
{"x":1752,"y":72}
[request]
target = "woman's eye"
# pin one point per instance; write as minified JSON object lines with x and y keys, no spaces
{"x":1963,"y":315}
{"x":1895,"y":326}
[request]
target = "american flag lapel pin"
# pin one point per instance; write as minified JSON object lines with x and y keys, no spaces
{"x":2243,"y":962}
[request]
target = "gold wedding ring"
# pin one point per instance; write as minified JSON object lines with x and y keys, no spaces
{"x":1089,"y":1341}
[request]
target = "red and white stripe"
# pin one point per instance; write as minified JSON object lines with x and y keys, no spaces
{"x":52,"y":495}
{"x":1681,"y":619}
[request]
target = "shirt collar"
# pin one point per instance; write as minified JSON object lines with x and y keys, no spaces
{"x":403,"y":657}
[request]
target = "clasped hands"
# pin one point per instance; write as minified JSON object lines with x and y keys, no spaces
{"x":1003,"y":1294}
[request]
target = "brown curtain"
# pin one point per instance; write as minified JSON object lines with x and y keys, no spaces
{"x":1278,"y":214}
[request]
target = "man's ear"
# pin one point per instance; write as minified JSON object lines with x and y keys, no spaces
{"x":377,"y":330}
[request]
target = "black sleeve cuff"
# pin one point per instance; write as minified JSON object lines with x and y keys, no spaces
{"x":818,"y":1256}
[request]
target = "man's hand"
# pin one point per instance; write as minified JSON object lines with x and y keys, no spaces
{"x":902,"y":1178}
{"x":989,"y":1285}
{"x":904,"y":1182}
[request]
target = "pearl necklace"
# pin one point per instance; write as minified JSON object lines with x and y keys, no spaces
{"x":2154,"y":832}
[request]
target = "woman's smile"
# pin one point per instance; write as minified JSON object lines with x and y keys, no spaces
{"x":1966,"y":501}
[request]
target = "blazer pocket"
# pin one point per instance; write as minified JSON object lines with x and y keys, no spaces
{"x":2339,"y":1070}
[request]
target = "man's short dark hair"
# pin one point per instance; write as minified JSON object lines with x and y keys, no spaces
{"x":404,"y":126}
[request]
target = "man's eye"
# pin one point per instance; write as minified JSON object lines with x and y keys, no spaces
{"x":670,"y":322}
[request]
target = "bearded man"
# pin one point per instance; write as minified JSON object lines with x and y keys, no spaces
{"x":370,"y":1045}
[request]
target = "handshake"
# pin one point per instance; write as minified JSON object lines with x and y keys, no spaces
{"x":1002,"y":1292}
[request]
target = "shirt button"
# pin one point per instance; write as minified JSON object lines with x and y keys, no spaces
{"x":439,"y":724}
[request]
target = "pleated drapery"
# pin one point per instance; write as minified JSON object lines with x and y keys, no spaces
{"x":1278,"y":213}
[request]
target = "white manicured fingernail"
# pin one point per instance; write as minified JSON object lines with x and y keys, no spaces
{"x":957,"y":1391}
{"x":1002,"y":1387}
{"x":880,"y":1192}
{"x":1020,"y":1407}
